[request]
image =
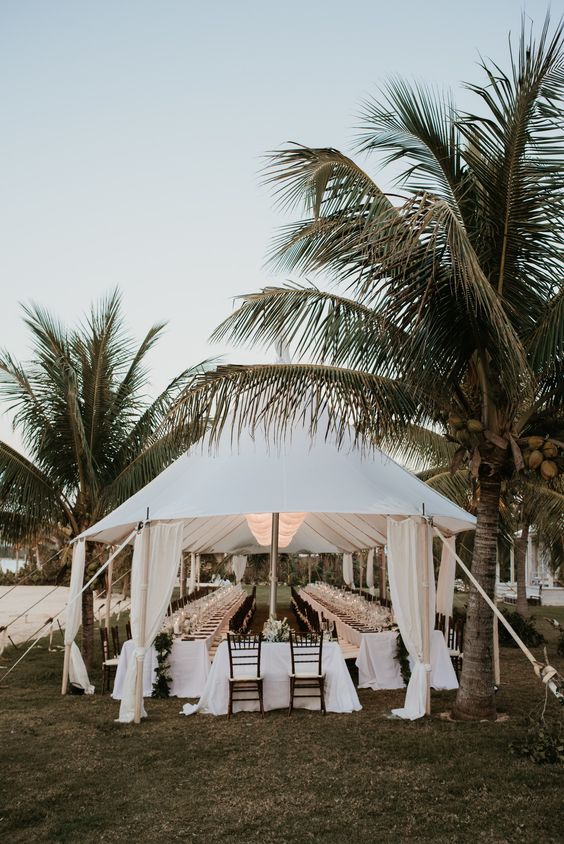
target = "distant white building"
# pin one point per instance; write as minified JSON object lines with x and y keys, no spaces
{"x":539,"y":578}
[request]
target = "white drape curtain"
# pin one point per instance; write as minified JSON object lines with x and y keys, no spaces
{"x":409,"y":543}
{"x":370,"y":571}
{"x":445,"y":580}
{"x":77,"y":669}
{"x":164,"y":549}
{"x":192,"y":581}
{"x":238,"y":566}
{"x":348,"y":571}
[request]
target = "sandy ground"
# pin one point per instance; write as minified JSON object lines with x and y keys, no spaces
{"x":48,"y":601}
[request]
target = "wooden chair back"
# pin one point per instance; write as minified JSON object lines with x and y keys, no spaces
{"x":306,"y":650}
{"x":115,"y":640}
{"x":105,"y":643}
{"x":244,"y":654}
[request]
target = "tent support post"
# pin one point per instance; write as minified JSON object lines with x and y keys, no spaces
{"x":274,"y":563}
{"x":426,"y":616}
{"x":66,"y":664}
{"x":142,"y":625}
{"x":497,"y":671}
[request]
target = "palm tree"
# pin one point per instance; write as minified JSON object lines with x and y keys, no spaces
{"x":526,"y":501}
{"x":90,"y":436}
{"x":450,"y":311}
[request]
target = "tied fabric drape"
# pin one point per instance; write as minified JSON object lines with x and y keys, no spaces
{"x":445,"y":581}
{"x":192,"y":581}
{"x":238,"y":566}
{"x":197,"y":569}
{"x":348,"y":571}
{"x":77,"y":669}
{"x":370,"y":571}
{"x":163,"y":543}
{"x":409,"y":547}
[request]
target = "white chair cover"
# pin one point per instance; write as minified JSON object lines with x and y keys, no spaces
{"x":165,"y":546}
{"x":77,"y":669}
{"x":406,"y":575}
{"x":238,"y":566}
{"x":445,"y":581}
{"x":370,"y":571}
{"x":348,"y":571}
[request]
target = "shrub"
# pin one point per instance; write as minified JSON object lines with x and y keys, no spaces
{"x":525,"y":629}
{"x":544,"y":743}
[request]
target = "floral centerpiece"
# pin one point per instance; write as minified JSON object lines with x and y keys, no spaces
{"x":276,"y":631}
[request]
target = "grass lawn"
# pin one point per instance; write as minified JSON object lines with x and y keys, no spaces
{"x":69,"y":773}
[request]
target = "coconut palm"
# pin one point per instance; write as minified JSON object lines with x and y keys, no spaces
{"x":449,"y":302}
{"x":526,"y":500}
{"x":90,"y":436}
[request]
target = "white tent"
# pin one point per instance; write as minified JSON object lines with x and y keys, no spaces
{"x":231,"y":497}
{"x":344,"y":494}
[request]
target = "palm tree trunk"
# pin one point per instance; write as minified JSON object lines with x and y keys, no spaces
{"x":520,"y":552}
{"x":88,"y":627}
{"x":475,"y":699}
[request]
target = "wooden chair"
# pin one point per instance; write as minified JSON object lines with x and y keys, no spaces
{"x":128,"y":630}
{"x":306,"y":650}
{"x":115,"y":640}
{"x":109,"y":664}
{"x":245,"y":680}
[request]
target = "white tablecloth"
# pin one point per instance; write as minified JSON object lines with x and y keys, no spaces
{"x":379,"y":668}
{"x":377,"y":663}
{"x":189,"y":661}
{"x":344,"y":630}
{"x":189,"y":668}
{"x":340,"y":693}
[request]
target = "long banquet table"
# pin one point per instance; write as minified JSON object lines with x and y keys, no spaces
{"x":377,"y":663}
{"x":340,"y":693}
{"x":189,"y":660}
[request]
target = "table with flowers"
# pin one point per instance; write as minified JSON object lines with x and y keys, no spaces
{"x":194,"y":628}
{"x":372,"y":628}
{"x":340,"y":693}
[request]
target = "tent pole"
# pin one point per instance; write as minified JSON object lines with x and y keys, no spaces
{"x":274,"y":563}
{"x":142,"y":624}
{"x":383,"y":590}
{"x":110,"y":577}
{"x":426,"y":616}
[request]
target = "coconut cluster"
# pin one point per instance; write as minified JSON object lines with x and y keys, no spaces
{"x":465,"y":430}
{"x":541,"y":455}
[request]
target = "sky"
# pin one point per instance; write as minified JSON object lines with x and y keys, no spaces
{"x":133,"y":134}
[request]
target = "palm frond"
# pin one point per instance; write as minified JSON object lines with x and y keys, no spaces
{"x":276,"y":396}
{"x":420,"y":448}
{"x":417,"y":124}
{"x":322,"y":326}
{"x":30,"y":500}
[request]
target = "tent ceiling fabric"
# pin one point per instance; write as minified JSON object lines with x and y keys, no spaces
{"x":346,"y":494}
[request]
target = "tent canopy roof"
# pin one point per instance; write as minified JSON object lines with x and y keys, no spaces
{"x":345,"y":493}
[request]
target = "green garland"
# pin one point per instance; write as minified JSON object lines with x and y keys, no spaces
{"x":163,"y":647}
{"x":403,"y":658}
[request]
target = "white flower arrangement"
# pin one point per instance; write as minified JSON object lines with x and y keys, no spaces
{"x":276,"y":631}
